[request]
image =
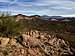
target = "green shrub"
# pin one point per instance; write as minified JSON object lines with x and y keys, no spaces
{"x":9,"y":27}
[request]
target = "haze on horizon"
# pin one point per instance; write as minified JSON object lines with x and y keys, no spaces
{"x":39,"y":7}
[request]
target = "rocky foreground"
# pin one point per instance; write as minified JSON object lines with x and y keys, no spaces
{"x":35,"y":43}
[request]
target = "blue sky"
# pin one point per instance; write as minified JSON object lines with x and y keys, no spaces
{"x":39,"y":7}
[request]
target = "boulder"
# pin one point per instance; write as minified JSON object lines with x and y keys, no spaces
{"x":4,"y":41}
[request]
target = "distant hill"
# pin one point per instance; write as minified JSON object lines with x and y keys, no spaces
{"x":44,"y":17}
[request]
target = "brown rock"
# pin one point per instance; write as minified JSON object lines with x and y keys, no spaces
{"x":4,"y":41}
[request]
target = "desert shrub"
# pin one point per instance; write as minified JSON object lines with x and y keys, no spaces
{"x":9,"y":27}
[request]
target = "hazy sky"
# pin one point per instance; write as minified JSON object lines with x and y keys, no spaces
{"x":39,"y":7}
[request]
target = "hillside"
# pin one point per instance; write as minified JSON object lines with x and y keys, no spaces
{"x":36,"y":37}
{"x":35,"y":43}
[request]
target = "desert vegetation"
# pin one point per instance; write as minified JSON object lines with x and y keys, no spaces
{"x":36,"y":37}
{"x":8,"y":26}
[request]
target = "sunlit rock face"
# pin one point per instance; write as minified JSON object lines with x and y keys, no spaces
{"x":19,"y":17}
{"x":36,"y":43}
{"x":4,"y":41}
{"x":24,"y":17}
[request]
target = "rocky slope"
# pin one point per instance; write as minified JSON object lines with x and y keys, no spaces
{"x":34,"y":43}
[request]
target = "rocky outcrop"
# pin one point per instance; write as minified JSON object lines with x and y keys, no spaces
{"x":51,"y":46}
{"x":36,"y":43}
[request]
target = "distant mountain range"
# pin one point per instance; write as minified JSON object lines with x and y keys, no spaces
{"x":46,"y":17}
{"x":51,"y":17}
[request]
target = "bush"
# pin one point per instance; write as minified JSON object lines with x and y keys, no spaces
{"x":9,"y":27}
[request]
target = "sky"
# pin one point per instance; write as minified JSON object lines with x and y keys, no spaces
{"x":39,"y":7}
